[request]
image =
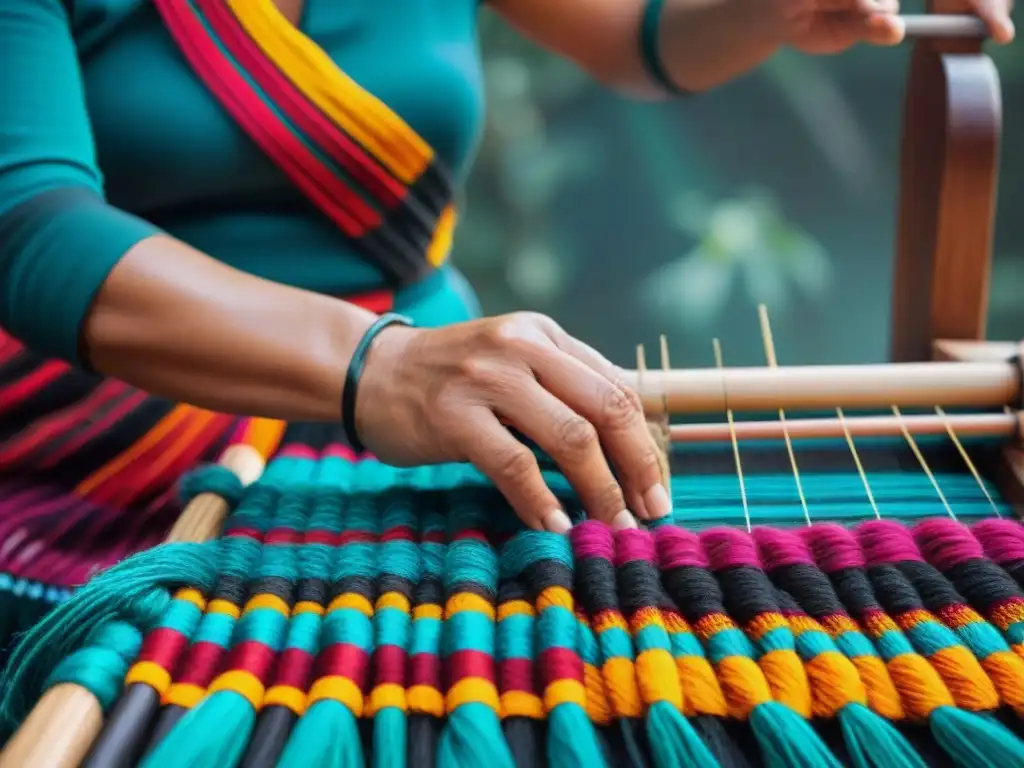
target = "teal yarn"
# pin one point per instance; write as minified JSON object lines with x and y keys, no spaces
{"x":211,"y":478}
{"x":973,"y":741}
{"x":326,"y":736}
{"x":101,"y":667}
{"x":787,"y":740}
{"x":472,"y":738}
{"x":212,"y":735}
{"x":389,"y":738}
{"x":873,"y":742}
{"x":135,"y":591}
{"x":673,"y":740}
{"x":572,"y":742}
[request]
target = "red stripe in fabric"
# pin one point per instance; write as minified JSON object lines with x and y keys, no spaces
{"x":307,"y":117}
{"x":59,"y":422}
{"x":259,"y":121}
{"x":22,"y":389}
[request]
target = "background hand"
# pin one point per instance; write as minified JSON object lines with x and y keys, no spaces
{"x":439,"y":395}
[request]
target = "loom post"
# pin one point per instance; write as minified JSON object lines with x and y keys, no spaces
{"x":66,"y":721}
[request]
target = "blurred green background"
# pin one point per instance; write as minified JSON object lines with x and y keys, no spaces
{"x":624,"y":220}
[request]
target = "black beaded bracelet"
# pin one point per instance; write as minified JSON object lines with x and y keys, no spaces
{"x":355,"y":372}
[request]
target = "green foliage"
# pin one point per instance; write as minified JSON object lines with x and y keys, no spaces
{"x":779,"y":188}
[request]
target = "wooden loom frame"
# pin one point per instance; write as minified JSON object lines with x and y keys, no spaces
{"x":949,"y":171}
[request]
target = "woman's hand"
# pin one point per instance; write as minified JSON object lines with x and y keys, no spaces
{"x":431,"y":396}
{"x":832,"y":26}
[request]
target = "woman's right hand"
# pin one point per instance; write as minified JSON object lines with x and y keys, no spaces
{"x":429,"y":396}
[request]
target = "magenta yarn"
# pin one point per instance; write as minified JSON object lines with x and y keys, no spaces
{"x":729,"y":548}
{"x":678,"y":548}
{"x":886,"y":541}
{"x":833,"y":546}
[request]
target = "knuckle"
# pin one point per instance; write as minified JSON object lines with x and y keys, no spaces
{"x":478,"y":371}
{"x":515,"y":464}
{"x":577,"y":437}
{"x":609,"y":500}
{"x":649,"y":464}
{"x":618,"y":410}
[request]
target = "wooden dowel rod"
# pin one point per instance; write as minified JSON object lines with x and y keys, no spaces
{"x":944,"y":25}
{"x":67,"y":719}
{"x":1004,"y":425}
{"x":908,"y":385}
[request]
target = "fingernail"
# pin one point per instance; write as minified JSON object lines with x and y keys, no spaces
{"x":623,"y":521}
{"x":658,"y":503}
{"x":557,"y":522}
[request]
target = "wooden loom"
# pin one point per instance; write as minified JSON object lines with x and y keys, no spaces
{"x":947,"y":205}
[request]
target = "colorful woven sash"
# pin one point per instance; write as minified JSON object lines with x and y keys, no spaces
{"x":361,"y":165}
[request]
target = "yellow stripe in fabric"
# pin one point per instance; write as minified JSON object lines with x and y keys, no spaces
{"x":363,"y":116}
{"x":423,"y":698}
{"x":264,"y":435}
{"x":163,"y":427}
{"x":193,"y":596}
{"x":441,"y":243}
{"x":241,"y":682}
{"x":225,"y":607}
{"x":386,"y":695}
{"x":351,"y":600}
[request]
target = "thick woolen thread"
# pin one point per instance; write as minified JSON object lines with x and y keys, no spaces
{"x":285,"y":698}
{"x":425,"y":693}
{"x":472,"y":735}
{"x":839,"y":692}
{"x":784,"y":737}
{"x":133,"y":592}
{"x":749,"y":598}
{"x":236,"y":694}
{"x":211,"y":478}
{"x":522,"y":710}
{"x":595,"y":589}
{"x":670,"y":735}
{"x":1003,"y":542}
{"x":916,"y":590}
{"x":544,"y":562}
{"x":327,"y":733}
{"x":793,"y":570}
{"x":965,"y":737}
{"x":952,"y":548}
{"x":594,"y":585}
{"x":400,"y":570}
{"x":838,"y":554}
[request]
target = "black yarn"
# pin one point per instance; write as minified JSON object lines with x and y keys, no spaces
{"x":543,"y":574}
{"x":594,"y":585}
{"x":389,"y":582}
{"x":854,"y":591}
{"x":892,"y":589}
{"x":312,"y":591}
{"x":526,"y":741}
{"x":272,"y":585}
{"x":638,"y":586}
{"x":429,"y":591}
{"x":473,"y":588}
{"x":983,"y":583}
{"x":358,"y":585}
{"x":810,"y":588}
{"x":424,"y":731}
{"x":935,"y":590}
{"x":1015,"y":569}
{"x":694,"y":590}
{"x":747,"y":593}
{"x":512,"y":589}
{"x":231,"y":589}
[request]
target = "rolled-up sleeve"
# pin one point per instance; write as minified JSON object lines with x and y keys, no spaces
{"x":59,"y":239}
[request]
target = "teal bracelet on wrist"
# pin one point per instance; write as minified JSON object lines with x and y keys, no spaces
{"x":650,"y":49}
{"x":355,"y":371}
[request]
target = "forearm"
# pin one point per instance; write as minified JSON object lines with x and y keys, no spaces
{"x":177,"y":323}
{"x":702,"y":44}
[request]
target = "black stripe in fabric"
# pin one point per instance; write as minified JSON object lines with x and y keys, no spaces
{"x":67,"y":389}
{"x":110,"y":443}
{"x":359,"y":585}
{"x":18,"y":366}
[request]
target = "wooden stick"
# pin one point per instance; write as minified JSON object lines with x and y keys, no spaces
{"x":67,"y":719}
{"x":943,"y":25}
{"x":909,"y":385}
{"x":1003,"y":425}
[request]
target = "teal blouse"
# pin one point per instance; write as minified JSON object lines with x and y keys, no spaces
{"x":107,"y":137}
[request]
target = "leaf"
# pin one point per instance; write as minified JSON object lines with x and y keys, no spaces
{"x":694,"y":289}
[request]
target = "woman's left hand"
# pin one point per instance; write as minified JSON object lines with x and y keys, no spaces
{"x":832,"y":26}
